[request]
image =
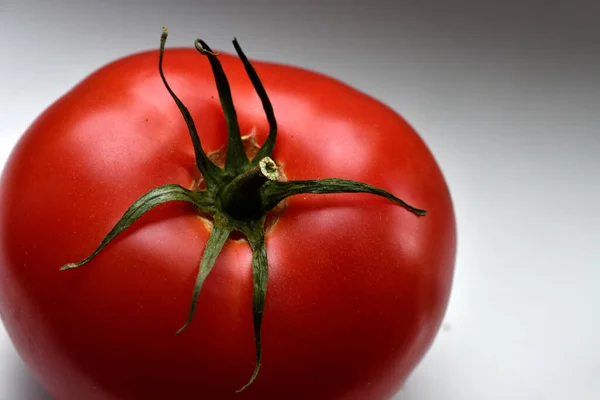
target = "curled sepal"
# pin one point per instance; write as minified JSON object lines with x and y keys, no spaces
{"x":273,"y":192}
{"x":218,"y":237}
{"x":267,"y":148}
{"x":155,"y":197}
{"x":260,"y":272}
{"x":209,"y":170}
{"x":236,"y":159}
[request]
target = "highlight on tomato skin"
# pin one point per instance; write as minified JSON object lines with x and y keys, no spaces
{"x":316,"y":262}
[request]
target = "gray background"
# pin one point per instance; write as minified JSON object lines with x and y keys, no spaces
{"x":506,"y":94}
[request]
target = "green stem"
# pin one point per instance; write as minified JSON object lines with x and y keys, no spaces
{"x":241,"y":198}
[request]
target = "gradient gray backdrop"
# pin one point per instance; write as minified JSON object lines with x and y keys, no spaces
{"x":506,"y":94}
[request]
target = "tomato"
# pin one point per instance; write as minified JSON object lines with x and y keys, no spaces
{"x":357,"y":284}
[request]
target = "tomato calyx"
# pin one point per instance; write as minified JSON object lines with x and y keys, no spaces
{"x":238,"y":196}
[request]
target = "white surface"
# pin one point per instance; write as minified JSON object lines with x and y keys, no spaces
{"x":506,"y":94}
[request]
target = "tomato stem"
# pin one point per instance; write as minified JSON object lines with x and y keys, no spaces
{"x":241,"y":198}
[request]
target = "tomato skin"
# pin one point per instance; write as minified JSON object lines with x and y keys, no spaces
{"x":357,"y":285}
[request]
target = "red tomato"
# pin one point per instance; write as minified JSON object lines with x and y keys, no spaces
{"x":357,"y":285}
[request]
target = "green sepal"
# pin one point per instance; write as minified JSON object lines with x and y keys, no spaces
{"x":267,"y":148}
{"x":155,"y":197}
{"x":236,"y":159}
{"x":211,"y":173}
{"x":273,"y":192}
{"x":260,"y":274}
{"x":214,"y":245}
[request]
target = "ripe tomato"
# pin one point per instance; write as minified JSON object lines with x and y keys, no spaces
{"x":357,"y":285}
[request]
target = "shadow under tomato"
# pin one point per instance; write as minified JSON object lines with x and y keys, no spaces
{"x":406,"y":394}
{"x":421,"y":386}
{"x":25,"y":387}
